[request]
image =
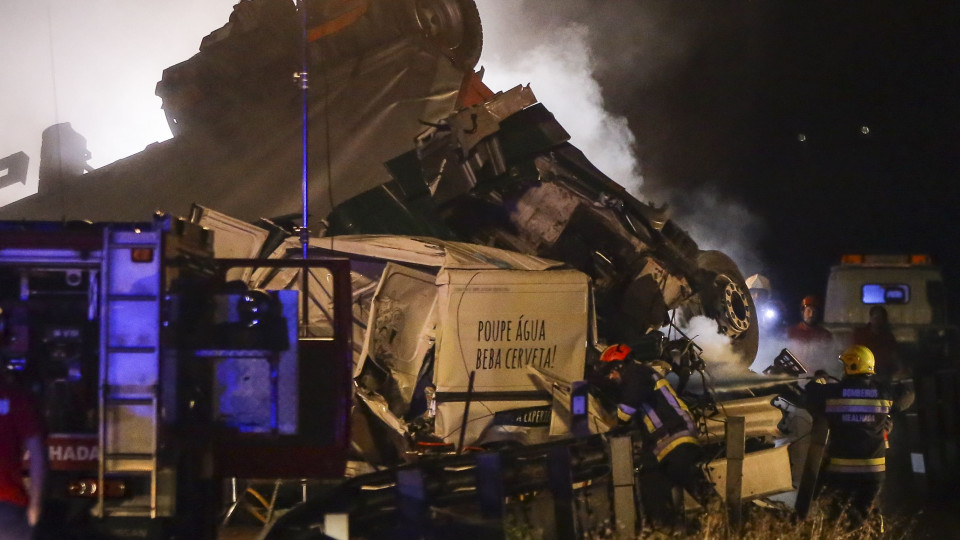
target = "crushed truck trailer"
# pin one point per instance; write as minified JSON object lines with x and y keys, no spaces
{"x":488,"y":263}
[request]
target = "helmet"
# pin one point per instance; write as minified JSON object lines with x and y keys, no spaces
{"x":615,"y":353}
{"x":758,"y":282}
{"x":858,"y":360}
{"x":811,"y":300}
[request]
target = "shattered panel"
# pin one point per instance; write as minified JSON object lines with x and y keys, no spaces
{"x":401,"y":327}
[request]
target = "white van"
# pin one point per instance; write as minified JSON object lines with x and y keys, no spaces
{"x":910,"y":287}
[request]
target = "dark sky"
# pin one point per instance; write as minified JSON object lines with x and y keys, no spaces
{"x":746,"y":79}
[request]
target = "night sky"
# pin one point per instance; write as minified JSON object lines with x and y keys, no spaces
{"x":873,"y":88}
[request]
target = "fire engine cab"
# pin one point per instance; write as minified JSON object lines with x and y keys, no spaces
{"x":159,"y":375}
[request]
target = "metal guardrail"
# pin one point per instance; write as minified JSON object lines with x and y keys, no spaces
{"x":483,"y":488}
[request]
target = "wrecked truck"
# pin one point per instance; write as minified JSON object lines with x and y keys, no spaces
{"x":462,"y":348}
{"x":487,"y":225}
{"x":437,"y":323}
{"x":503,"y":173}
{"x":491,"y":169}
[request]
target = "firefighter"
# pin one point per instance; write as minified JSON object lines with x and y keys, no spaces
{"x":857,"y":410}
{"x":20,"y":429}
{"x":810,"y":342}
{"x":808,"y":330}
{"x":769,"y":310}
{"x":671,"y":449}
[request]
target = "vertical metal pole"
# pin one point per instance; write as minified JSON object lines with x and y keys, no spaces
{"x":412,"y":502}
{"x":466,"y":412}
{"x":623,"y":477}
{"x":303,"y":79}
{"x":273,"y":361}
{"x":491,"y":494}
{"x":561,"y":487}
{"x":736,"y":441}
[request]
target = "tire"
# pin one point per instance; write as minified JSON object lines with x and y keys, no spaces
{"x":728,"y":302}
{"x":454,"y":26}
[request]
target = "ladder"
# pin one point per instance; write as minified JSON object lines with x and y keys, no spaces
{"x":130,"y":305}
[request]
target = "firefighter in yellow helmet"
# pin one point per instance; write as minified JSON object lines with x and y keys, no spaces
{"x":671,"y":450}
{"x":857,"y":410}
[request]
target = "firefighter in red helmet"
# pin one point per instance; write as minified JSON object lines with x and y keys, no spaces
{"x":810,"y":342}
{"x":671,"y":449}
{"x":808,"y":330}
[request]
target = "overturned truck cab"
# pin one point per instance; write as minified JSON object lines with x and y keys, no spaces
{"x":502,"y":173}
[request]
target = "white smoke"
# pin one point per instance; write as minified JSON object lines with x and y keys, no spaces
{"x":721,"y":359}
{"x":717,"y":222}
{"x":558,"y":64}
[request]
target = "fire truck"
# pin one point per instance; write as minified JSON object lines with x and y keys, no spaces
{"x":159,"y":373}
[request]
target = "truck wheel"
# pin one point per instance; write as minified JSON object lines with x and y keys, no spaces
{"x":727,"y":300}
{"x":454,"y":25}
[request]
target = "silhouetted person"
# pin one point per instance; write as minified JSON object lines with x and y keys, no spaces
{"x":20,"y":429}
{"x":63,"y":155}
{"x":877,"y":336}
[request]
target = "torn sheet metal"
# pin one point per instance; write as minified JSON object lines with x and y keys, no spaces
{"x":473,"y":124}
{"x":401,"y":326}
{"x":377,"y":434}
{"x":762,"y":418}
{"x":765,"y":472}
{"x":496,"y":323}
{"x":232,"y":238}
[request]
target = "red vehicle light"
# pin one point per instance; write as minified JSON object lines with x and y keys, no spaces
{"x":141,"y":255}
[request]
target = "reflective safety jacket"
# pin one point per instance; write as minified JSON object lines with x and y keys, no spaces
{"x":647,"y":397}
{"x":858,"y":412}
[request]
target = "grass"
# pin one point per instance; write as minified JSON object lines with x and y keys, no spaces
{"x":758,"y":524}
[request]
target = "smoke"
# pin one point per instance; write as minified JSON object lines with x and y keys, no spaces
{"x":94,"y":64}
{"x":558,"y":62}
{"x":718,"y":222}
{"x":565,"y":49}
{"x":722,"y":361}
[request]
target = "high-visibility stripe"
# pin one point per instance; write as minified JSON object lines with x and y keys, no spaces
{"x":623,"y":415}
{"x":860,"y":401}
{"x":857,"y":469}
{"x":864,"y":461}
{"x":667,"y":445}
{"x":857,"y":409}
{"x":845,"y":465}
{"x":651,"y":418}
{"x":676,"y":403}
{"x":858,"y":405}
